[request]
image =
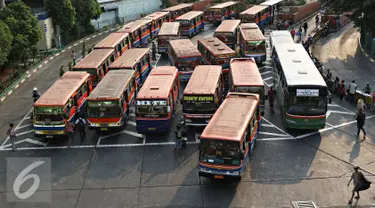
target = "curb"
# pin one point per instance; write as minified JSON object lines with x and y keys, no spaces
{"x":363,"y":51}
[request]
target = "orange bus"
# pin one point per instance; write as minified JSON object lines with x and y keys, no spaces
{"x":191,"y":23}
{"x":158,"y":18}
{"x":96,"y":63}
{"x":252,"y":42}
{"x":137,"y":59}
{"x":185,"y":56}
{"x":140,"y":32}
{"x":225,"y":10}
{"x":258,"y":14}
{"x":120,"y":42}
{"x":245,"y":77}
{"x":108,"y":106}
{"x":228,"y":140}
{"x":168,"y":31}
{"x":156,"y":101}
{"x":227,"y":32}
{"x":60,"y":103}
{"x":178,"y":10}
{"x":203,"y":95}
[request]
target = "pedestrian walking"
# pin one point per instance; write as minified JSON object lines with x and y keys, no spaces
{"x":270,"y":97}
{"x":317,"y":21}
{"x":81,"y":125}
{"x":74,"y":57}
{"x":278,"y":24}
{"x":367,"y":89}
{"x":329,"y":75}
{"x":352,"y":90}
{"x":336,"y":85}
{"x":299,"y":36}
{"x":293,"y":33}
{"x":360,"y":182}
{"x":360,"y":105}
{"x":360,"y":117}
{"x":305,"y":26}
{"x":153,"y":51}
{"x":342,"y":90}
{"x":69,"y":128}
{"x":12,"y":135}
{"x":310,"y":40}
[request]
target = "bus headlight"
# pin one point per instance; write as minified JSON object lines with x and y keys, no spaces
{"x":39,"y":132}
{"x":113,"y":124}
{"x":290,"y":121}
{"x":94,"y":124}
{"x":235,"y":173}
{"x":205,"y":170}
{"x":188,"y":120}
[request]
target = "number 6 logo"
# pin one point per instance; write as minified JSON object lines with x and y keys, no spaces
{"x":23,"y":177}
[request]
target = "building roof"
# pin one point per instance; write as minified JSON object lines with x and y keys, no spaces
{"x":62,"y":90}
{"x":94,"y":59}
{"x":190,"y":15}
{"x":254,"y":10}
{"x":156,"y":15}
{"x":251,"y":32}
{"x":232,"y":117}
{"x":177,"y":7}
{"x":184,"y":48}
{"x":133,"y":26}
{"x":158,"y":83}
{"x":169,"y":28}
{"x":111,"y":40}
{"x":223,"y":5}
{"x":271,"y":2}
{"x":112,"y":85}
{"x":216,"y":46}
{"x":228,"y":26}
{"x":298,"y":68}
{"x":203,"y":80}
{"x":245,"y":72}
{"x":129,"y":58}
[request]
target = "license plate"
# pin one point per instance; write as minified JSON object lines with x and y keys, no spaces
{"x":104,"y":129}
{"x":49,"y":137}
{"x":152,"y":129}
{"x":219,"y":177}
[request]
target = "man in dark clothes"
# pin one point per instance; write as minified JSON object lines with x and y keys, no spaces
{"x":361,"y":117}
{"x":305,"y":27}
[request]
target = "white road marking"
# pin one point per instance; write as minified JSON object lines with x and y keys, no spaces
{"x":271,"y":134}
{"x":81,"y":41}
{"x":131,"y":123}
{"x":51,"y":58}
{"x":93,"y":36}
{"x":10,"y":92}
{"x":57,"y":54}
{"x":209,"y":35}
{"x":268,"y":78}
{"x":69,"y":47}
{"x":25,"y":132}
{"x":40,"y":66}
{"x":196,"y":136}
{"x":144,"y":140}
{"x":100,"y":33}
{"x":133,"y":133}
{"x":267,"y":125}
{"x":63,"y":51}
{"x":45,"y":62}
{"x":22,"y":81}
{"x":28,"y":117}
{"x":276,"y":139}
{"x":267,"y":72}
{"x":75,"y":44}
{"x":34,"y":70}
{"x":333,"y":105}
{"x":24,"y":126}
{"x":18,"y":125}
{"x":132,"y":114}
{"x":29,"y":75}
{"x":274,"y":126}
{"x":2,"y":99}
{"x":16,"y":86}
{"x":87,"y":39}
{"x":344,"y":108}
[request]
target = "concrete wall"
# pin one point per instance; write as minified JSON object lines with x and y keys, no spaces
{"x":47,"y":37}
{"x":297,"y":13}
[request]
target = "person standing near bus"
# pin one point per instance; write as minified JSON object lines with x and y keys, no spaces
{"x":69,"y":128}
{"x":81,"y":124}
{"x":293,"y":33}
{"x":270,"y":97}
{"x":342,"y":90}
{"x":352,"y":90}
{"x":74,"y":57}
{"x":12,"y":135}
{"x":361,"y":117}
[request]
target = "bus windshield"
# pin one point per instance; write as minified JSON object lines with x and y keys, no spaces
{"x":225,"y":37}
{"x":152,"y":109}
{"x":103,"y":109}
{"x":188,"y":64}
{"x":306,"y":106}
{"x":199,"y":104}
{"x":256,"y":46}
{"x":220,"y":152}
{"x":252,"y":89}
{"x":49,"y":114}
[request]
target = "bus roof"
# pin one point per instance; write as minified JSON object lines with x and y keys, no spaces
{"x":169,"y":28}
{"x":94,"y":59}
{"x":133,"y":26}
{"x":245,"y":72}
{"x":223,"y":5}
{"x":254,"y":9}
{"x":177,"y":7}
{"x":216,"y":46}
{"x":158,"y":83}
{"x":156,"y":15}
{"x":112,"y":85}
{"x":129,"y":58}
{"x":271,"y":2}
{"x":111,"y":40}
{"x":277,"y":33}
{"x":298,"y":68}
{"x":228,"y":26}
{"x":203,"y":80}
{"x":184,"y":48}
{"x":190,"y":15}
{"x":232,"y":117}
{"x":62,"y":90}
{"x":251,"y":32}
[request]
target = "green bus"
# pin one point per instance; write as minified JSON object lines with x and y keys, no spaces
{"x":300,"y":88}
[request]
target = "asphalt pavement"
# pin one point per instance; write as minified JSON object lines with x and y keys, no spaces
{"x":127,"y":169}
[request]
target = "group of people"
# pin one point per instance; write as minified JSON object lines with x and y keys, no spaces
{"x":300,"y":32}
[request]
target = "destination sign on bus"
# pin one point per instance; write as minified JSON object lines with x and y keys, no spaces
{"x":199,"y":98}
{"x":155,"y":102}
{"x":307,"y":93}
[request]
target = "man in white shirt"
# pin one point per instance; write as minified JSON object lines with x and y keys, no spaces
{"x":352,"y":90}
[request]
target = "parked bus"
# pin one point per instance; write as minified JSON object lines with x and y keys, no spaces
{"x":227,"y":32}
{"x":228,"y":140}
{"x":60,"y":102}
{"x":252,"y":42}
{"x":137,"y":59}
{"x":140,"y":32}
{"x":178,"y":10}
{"x":108,"y":106}
{"x":156,"y":101}
{"x":245,"y":77}
{"x":300,"y":88}
{"x":217,"y":13}
{"x":280,"y":37}
{"x":256,"y":14}
{"x":191,"y":23}
{"x":158,"y":18}
{"x":185,"y":56}
{"x":273,"y":8}
{"x":96,"y":63}
{"x":202,"y":95}
{"x":120,"y":42}
{"x":168,"y":31}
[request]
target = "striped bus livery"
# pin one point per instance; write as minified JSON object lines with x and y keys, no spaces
{"x":120,"y":42}
{"x":158,"y":19}
{"x":178,"y":10}
{"x":191,"y":23}
{"x":140,"y":32}
{"x":256,"y":14}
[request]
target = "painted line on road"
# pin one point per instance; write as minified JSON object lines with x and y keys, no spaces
{"x":15,"y":87}
{"x":94,"y":36}
{"x":132,"y":114}
{"x":63,"y":51}
{"x":267,"y":72}
{"x":69,"y":47}
{"x":28,"y":75}
{"x":276,"y":139}
{"x":24,"y":126}
{"x":266,"y":125}
{"x":268,"y":78}
{"x":75,"y":44}
{"x":274,"y":126}
{"x":88,"y":38}
{"x":344,"y":108}
{"x":100,"y":33}
{"x":22,"y":81}
{"x":40,"y":66}
{"x":51,"y":58}
{"x":211,"y":34}
{"x":2,"y":99}
{"x":57,"y":54}
{"x":10,"y":92}
{"x":81,"y":41}
{"x":45,"y":62}
{"x":272,"y":134}
{"x":27,"y":118}
{"x":18,"y":125}
{"x":34,"y":70}
{"x":131,"y":123}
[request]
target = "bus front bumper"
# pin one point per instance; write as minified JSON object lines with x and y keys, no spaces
{"x":49,"y":132}
{"x":224,"y":174}
{"x":153,"y":126}
{"x":307,"y":124}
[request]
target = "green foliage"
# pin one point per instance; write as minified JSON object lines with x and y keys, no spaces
{"x":363,"y":11}
{"x":5,"y":42}
{"x":62,"y":13}
{"x":86,"y":10}
{"x":24,"y":28}
{"x":165,"y":3}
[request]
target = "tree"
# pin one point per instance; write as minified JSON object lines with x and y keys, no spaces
{"x":24,"y":28}
{"x":5,"y":42}
{"x":62,"y":13}
{"x":2,"y":4}
{"x":86,"y":10}
{"x":363,"y":11}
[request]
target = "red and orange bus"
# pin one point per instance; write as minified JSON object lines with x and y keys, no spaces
{"x":202,"y":95}
{"x":228,"y":140}
{"x":178,"y":10}
{"x":137,"y":59}
{"x":191,"y":23}
{"x":140,"y":32}
{"x":225,"y":10}
{"x":96,"y":63}
{"x":156,"y":101}
{"x":252,"y":42}
{"x":158,"y":18}
{"x":120,"y":42}
{"x":185,"y":56}
{"x":227,"y":32}
{"x":168,"y":31}
{"x":256,"y":14}
{"x":108,"y":106}
{"x":60,"y":103}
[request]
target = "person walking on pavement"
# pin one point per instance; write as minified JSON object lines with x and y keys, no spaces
{"x":74,"y":57}
{"x":336,"y":85}
{"x":12,"y":135}
{"x":342,"y":90}
{"x":69,"y":128}
{"x":317,"y":20}
{"x":360,"y":117}
{"x":81,"y":124}
{"x":153,"y":51}
{"x":360,"y":105}
{"x":35,"y":94}
{"x":360,"y":183}
{"x":305,"y":26}
{"x":367,"y":89}
{"x":352,"y":90}
{"x":271,"y":97}
{"x":299,"y":35}
{"x":293,"y":33}
{"x":310,"y":40}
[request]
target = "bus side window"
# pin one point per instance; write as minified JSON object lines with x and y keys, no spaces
{"x":125,"y":95}
{"x":67,"y":109}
